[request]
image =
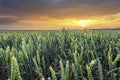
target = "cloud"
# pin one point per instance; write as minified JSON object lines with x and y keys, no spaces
{"x":7,"y":20}
{"x":59,"y":8}
{"x":55,"y":9}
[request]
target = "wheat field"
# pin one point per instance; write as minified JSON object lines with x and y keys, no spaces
{"x":60,"y":55}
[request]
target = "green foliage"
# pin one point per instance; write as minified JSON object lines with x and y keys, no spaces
{"x":67,"y":72}
{"x":15,"y":73}
{"x":66,"y":55}
{"x":89,"y":73}
{"x":63,"y":77}
{"x":100,"y":69}
{"x":116,"y":60}
{"x":43,"y":63}
{"x":74,"y":72}
{"x":81,"y":72}
{"x":37,"y":68}
{"x":53,"y":73}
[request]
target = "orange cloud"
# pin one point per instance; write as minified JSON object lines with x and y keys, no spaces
{"x":51,"y":23}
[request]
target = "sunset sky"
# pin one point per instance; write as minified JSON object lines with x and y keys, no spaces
{"x":56,"y":14}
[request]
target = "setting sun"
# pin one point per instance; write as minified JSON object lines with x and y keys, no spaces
{"x":83,"y":23}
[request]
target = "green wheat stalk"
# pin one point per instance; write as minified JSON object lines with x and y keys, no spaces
{"x":81,"y":71}
{"x":74,"y":72}
{"x":100,"y":69}
{"x":53,"y":73}
{"x":43,"y":63}
{"x":37,"y":69}
{"x":38,"y":57}
{"x":67,"y":70}
{"x":89,"y":73}
{"x":116,"y":60}
{"x":15,"y":73}
{"x":63,"y":77}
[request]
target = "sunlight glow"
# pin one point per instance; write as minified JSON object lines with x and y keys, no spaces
{"x":51,"y":23}
{"x":83,"y":23}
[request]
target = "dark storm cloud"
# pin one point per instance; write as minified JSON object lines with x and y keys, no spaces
{"x":58,"y":8}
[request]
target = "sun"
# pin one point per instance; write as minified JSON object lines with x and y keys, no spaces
{"x":78,"y":23}
{"x":83,"y":23}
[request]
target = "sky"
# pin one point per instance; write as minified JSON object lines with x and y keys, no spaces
{"x":56,"y":14}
